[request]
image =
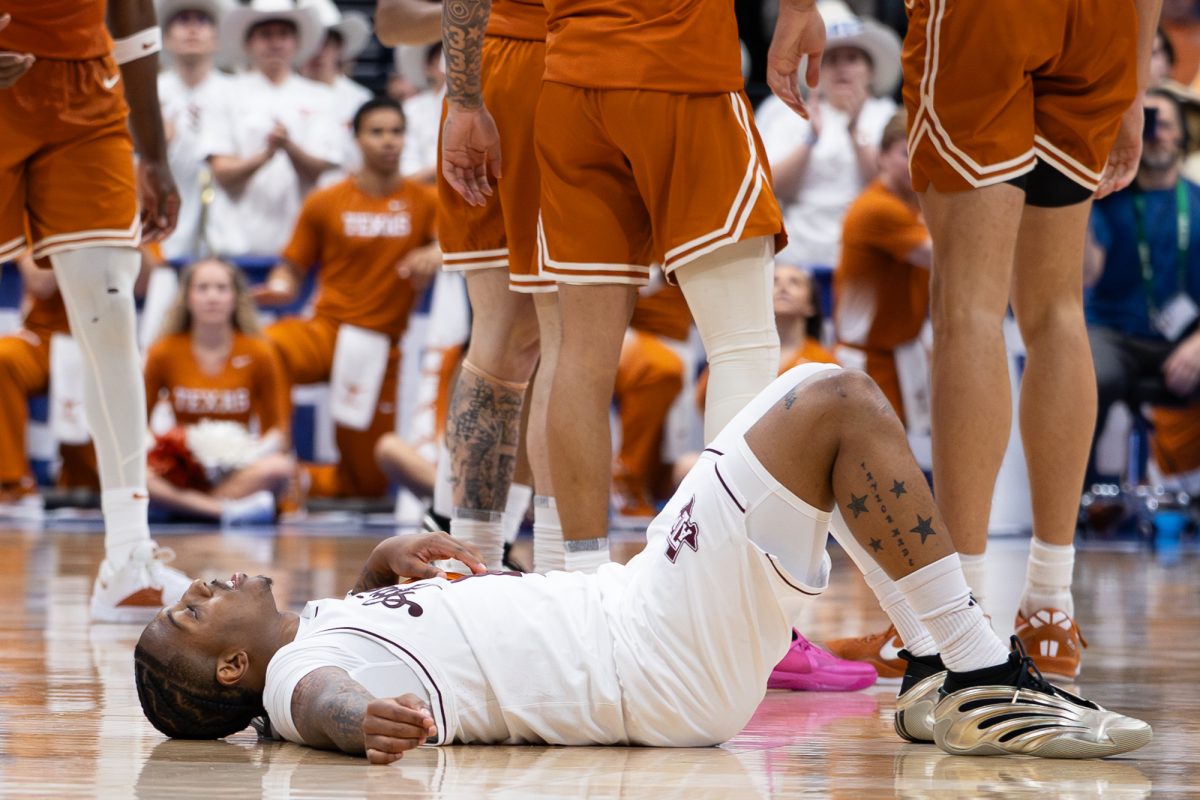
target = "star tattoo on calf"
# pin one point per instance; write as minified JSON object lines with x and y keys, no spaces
{"x":876,"y":545}
{"x":898,"y":488}
{"x":924,"y":527}
{"x":858,"y":504}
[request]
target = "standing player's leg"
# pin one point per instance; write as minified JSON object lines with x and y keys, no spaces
{"x":483,"y":425}
{"x":974,"y":238}
{"x":547,"y":527}
{"x":729,"y":294}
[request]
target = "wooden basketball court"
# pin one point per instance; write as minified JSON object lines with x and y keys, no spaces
{"x":70,"y":724}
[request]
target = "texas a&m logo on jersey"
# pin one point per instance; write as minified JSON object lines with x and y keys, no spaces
{"x":684,"y":531}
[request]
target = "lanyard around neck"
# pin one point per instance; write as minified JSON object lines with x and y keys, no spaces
{"x":1183,"y":238}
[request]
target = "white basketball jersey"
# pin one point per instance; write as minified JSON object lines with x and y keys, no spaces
{"x":544,"y":673}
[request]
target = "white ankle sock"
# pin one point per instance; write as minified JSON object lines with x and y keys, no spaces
{"x":1048,"y":579}
{"x":519,"y":497}
{"x":914,"y":634}
{"x":975,"y":573}
{"x":548,"y":551}
{"x":484,"y":529}
{"x":939,"y":595}
{"x":125,"y":525}
{"x":585,"y":555}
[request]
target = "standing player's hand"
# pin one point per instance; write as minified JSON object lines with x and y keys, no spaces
{"x":159,"y":199}
{"x":394,"y":725}
{"x":799,"y":32}
{"x":470,"y":151}
{"x":1126,"y":152}
{"x":12,"y":65}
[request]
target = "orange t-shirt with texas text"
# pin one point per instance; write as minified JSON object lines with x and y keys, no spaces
{"x":62,"y":30}
{"x":682,"y":46}
{"x":518,"y":19}
{"x":356,"y":240}
{"x":880,"y":299}
{"x":249,"y":385}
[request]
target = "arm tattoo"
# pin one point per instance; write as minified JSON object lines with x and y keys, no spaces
{"x":328,"y":707}
{"x":463,"y":26}
{"x":483,"y":434}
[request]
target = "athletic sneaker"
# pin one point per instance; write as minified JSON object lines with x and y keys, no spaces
{"x":136,"y":590}
{"x":21,"y":502}
{"x":253,"y":509}
{"x":880,"y":650}
{"x":919,"y":695}
{"x":1054,"y":642}
{"x":1012,"y":709}
{"x":808,"y":668}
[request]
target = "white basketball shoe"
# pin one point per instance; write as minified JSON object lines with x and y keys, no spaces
{"x":134,"y":592}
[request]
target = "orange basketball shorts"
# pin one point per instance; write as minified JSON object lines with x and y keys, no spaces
{"x":632,"y":178}
{"x":502,"y":233}
{"x":66,"y":160}
{"x":993,"y":87}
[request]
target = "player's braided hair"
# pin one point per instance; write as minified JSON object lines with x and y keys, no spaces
{"x":184,"y":703}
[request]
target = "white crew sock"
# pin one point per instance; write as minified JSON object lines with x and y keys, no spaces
{"x":484,"y":529}
{"x":912,"y":632}
{"x":975,"y":573}
{"x":1048,"y":579}
{"x":548,"y":551}
{"x":939,"y":595}
{"x":257,"y":508}
{"x":585,"y":555}
{"x":125,"y":525}
{"x":519,"y":498}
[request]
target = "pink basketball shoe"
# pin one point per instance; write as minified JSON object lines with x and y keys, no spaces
{"x":808,"y":668}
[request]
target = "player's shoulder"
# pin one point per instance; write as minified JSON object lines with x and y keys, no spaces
{"x":421,"y":195}
{"x":331,"y":197}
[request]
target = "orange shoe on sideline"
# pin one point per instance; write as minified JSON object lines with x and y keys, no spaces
{"x":880,"y":650}
{"x":1053,"y":641}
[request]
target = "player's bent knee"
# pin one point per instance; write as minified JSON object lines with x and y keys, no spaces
{"x":850,"y":395}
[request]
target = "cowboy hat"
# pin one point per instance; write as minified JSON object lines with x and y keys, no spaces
{"x":843,"y":28}
{"x":353,"y":27}
{"x":238,"y":22}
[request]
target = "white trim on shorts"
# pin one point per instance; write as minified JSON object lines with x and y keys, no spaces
{"x":474,"y":259}
{"x":739,"y":210}
{"x":584,"y":273}
{"x":11,"y":249}
{"x":927,"y":124}
{"x":64,"y":242}
{"x":1068,"y":166}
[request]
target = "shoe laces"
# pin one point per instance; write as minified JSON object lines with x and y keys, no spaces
{"x":1030,"y":677}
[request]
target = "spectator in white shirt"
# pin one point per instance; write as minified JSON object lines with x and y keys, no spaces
{"x":424,"y":114}
{"x":188,"y":91}
{"x":346,"y":36}
{"x":820,"y":165}
{"x":274,"y":132}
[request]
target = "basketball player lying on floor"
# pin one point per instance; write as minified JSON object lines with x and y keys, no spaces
{"x":672,"y":649}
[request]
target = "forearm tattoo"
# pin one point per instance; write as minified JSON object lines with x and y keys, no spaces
{"x":328,"y":708}
{"x":894,"y":521}
{"x":483,"y":435}
{"x":463,"y":26}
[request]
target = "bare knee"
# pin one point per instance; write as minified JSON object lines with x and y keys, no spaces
{"x":277,"y":468}
{"x":850,"y":398}
{"x":1059,"y":321}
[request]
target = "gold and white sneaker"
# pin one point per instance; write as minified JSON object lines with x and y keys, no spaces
{"x":134,"y":592}
{"x":1012,"y":710}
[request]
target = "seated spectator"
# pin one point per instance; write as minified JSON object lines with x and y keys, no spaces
{"x":1143,"y":264}
{"x":372,"y":236}
{"x":820,"y":165}
{"x":424,"y":114}
{"x":650,"y":376}
{"x":798,"y":319}
{"x":24,"y":372}
{"x":189,"y":90}
{"x":881,"y":285}
{"x":224,"y":458}
{"x":273,"y":134}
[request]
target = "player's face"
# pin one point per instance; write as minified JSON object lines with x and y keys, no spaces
{"x":1166,"y":146}
{"x":381,"y":139}
{"x":793,"y":292}
{"x":272,"y":45}
{"x":216,"y":616}
{"x":191,"y":33}
{"x":212,"y":296}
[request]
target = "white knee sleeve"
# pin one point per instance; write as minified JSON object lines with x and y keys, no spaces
{"x":97,"y":288}
{"x":729,"y":294}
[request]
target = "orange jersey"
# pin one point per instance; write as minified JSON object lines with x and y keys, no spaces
{"x":46,"y":316}
{"x":357,"y":240}
{"x":63,"y":30}
{"x":683,"y":46}
{"x":518,"y":19}
{"x":663,"y":312}
{"x":249,"y":385}
{"x":808,"y":352}
{"x":880,"y":300}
